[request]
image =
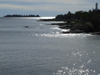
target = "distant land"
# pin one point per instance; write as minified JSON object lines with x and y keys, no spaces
{"x":15,"y":15}
{"x":80,"y":21}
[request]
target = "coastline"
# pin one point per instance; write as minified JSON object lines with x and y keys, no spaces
{"x":72,"y":29}
{"x":79,"y":22}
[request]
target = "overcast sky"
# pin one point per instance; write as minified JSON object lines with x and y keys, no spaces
{"x":45,"y":7}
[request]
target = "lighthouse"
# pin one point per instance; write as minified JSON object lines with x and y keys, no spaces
{"x":96,"y":6}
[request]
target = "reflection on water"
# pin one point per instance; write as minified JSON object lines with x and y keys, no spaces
{"x":28,"y":47}
{"x":80,"y":62}
{"x":63,"y":30}
{"x":79,"y":66}
{"x":59,"y":35}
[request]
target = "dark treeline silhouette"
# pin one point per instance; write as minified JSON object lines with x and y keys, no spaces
{"x":81,"y":20}
{"x":15,"y":15}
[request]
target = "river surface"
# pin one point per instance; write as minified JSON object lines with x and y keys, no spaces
{"x":29,"y":47}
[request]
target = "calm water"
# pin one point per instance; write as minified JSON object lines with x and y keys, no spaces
{"x":28,"y":47}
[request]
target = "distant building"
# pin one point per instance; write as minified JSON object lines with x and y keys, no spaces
{"x":96,"y":6}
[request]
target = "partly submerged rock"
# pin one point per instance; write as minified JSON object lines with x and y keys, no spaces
{"x":26,"y":26}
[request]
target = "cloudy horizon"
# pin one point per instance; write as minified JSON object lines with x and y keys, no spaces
{"x":44,"y":7}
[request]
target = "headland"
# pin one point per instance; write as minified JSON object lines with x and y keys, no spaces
{"x":80,"y":21}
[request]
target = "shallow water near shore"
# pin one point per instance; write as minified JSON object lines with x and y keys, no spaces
{"x":29,"y":47}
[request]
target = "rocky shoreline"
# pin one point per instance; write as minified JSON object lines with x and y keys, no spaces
{"x":72,"y":29}
{"x":79,"y":22}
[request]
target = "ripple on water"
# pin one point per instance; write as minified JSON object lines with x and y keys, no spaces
{"x":75,"y":71}
{"x":79,"y":66}
{"x":60,"y":35}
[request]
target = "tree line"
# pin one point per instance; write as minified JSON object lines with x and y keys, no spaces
{"x":15,"y":15}
{"x":86,"y":20}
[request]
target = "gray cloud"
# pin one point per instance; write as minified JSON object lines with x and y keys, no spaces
{"x":50,"y":5}
{"x":53,"y":6}
{"x":49,"y":1}
{"x":43,"y":7}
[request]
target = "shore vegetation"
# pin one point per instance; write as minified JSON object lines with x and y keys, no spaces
{"x":16,"y":15}
{"x":80,"y":21}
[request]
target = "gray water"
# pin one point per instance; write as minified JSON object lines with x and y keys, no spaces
{"x":41,"y":49}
